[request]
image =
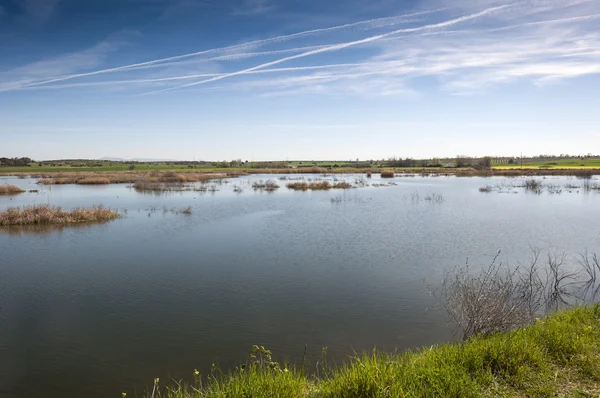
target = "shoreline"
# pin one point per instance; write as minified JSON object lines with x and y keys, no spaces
{"x":195,"y":175}
{"x":538,"y":360}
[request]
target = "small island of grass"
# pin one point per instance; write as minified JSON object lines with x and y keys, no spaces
{"x":10,"y":190}
{"x":46,"y":215}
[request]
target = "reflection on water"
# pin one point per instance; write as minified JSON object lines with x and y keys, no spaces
{"x":22,"y":230}
{"x":94,"y":310}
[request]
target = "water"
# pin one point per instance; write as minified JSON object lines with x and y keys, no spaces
{"x":98,"y":310}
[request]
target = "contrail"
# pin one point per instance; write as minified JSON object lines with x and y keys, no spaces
{"x":184,"y":77}
{"x":336,"y":47}
{"x":372,"y":23}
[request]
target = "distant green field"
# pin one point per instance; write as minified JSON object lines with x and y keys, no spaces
{"x":555,"y":164}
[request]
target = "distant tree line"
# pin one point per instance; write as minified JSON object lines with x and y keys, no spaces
{"x":15,"y":162}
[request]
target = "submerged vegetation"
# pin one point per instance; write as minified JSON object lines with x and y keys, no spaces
{"x":269,"y":185}
{"x":318,"y":185}
{"x":10,"y":190}
{"x":44,"y":215}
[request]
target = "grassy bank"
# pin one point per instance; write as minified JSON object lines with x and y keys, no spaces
{"x":45,"y":215}
{"x":557,"y":356}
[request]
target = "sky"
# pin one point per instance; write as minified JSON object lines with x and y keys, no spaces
{"x":298,"y":79}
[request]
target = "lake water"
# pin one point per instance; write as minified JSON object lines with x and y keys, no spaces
{"x":97,"y":310}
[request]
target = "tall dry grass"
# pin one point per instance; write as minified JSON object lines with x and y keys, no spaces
{"x":318,"y":185}
{"x":10,"y":190}
{"x":45,"y":214}
{"x":94,"y":181}
{"x":125,"y":177}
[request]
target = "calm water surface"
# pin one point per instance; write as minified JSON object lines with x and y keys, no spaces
{"x":98,"y":310}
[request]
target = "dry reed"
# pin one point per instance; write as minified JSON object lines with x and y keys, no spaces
{"x":269,"y":185}
{"x":45,"y":214}
{"x":342,"y":185}
{"x":318,"y":186}
{"x":10,"y":190}
{"x":387,"y":174}
{"x":94,"y":181}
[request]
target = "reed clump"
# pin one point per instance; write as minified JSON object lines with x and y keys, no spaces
{"x":45,"y":215}
{"x":298,"y":186}
{"x":10,"y":190}
{"x":342,"y":185}
{"x":387,"y":174}
{"x":94,"y":181}
{"x":533,"y":185}
{"x":268,"y":185}
{"x":318,"y":185}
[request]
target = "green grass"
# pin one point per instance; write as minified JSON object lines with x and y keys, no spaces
{"x":558,"y":356}
{"x":555,"y":164}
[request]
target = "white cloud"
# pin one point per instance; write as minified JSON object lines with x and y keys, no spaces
{"x":254,"y":7}
{"x":466,"y":49}
{"x":65,"y":64}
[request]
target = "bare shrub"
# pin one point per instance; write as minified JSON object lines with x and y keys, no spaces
{"x":591,"y":268}
{"x":560,"y":282}
{"x":488,"y":302}
{"x":501,"y":298}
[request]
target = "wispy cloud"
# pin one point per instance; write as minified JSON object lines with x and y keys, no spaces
{"x":467,"y":47}
{"x":341,"y":46}
{"x":68,"y":63}
{"x":233,"y":49}
{"x":254,"y":7}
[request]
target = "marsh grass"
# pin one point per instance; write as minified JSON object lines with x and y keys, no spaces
{"x":10,"y":190}
{"x":125,"y":177}
{"x":185,"y":210}
{"x":94,"y":181}
{"x":45,"y":214}
{"x":534,"y":185}
{"x":147,"y":186}
{"x":268,"y":185}
{"x":588,"y":186}
{"x":486,"y":189}
{"x":318,"y":185}
{"x":342,"y":185}
{"x":544,"y":359}
{"x":387,"y":174}
{"x":435,"y":198}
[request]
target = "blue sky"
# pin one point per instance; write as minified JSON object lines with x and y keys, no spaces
{"x":298,"y":79}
